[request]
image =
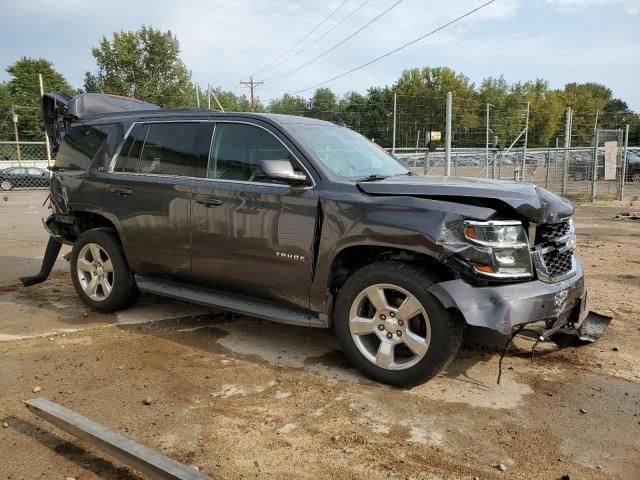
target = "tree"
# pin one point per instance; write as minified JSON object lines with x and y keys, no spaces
{"x":24,"y":91}
{"x":144,"y":64}
{"x":324,"y":104}
{"x":289,"y":104}
{"x":5,"y":113}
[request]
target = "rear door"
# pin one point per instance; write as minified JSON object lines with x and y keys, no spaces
{"x":249,"y":234}
{"x":150,"y":192}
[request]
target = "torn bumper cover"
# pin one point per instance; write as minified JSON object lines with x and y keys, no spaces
{"x":504,"y":307}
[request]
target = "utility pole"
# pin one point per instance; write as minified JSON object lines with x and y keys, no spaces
{"x":14,"y":119}
{"x":252,"y":85}
{"x":197,"y":95}
{"x":46,"y":137}
{"x":209,"y":96}
{"x":393,"y":147}
{"x":447,"y":142}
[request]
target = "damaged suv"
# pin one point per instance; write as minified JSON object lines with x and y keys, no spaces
{"x":305,"y":222}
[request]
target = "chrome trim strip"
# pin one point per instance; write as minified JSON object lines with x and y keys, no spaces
{"x":112,"y":164}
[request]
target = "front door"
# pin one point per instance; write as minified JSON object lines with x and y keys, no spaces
{"x":249,"y":234}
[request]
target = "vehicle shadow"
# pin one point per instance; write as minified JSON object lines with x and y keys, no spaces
{"x":317,"y":350}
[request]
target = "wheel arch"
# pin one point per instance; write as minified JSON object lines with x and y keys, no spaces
{"x":353,"y":257}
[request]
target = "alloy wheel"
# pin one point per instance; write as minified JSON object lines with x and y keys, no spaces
{"x":389,"y":326}
{"x":95,"y":272}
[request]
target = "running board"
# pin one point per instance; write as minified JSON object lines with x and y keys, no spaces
{"x":229,"y":301}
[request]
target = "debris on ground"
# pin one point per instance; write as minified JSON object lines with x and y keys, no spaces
{"x":628,"y":216}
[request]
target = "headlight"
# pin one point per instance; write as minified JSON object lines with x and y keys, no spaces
{"x":506,"y":242}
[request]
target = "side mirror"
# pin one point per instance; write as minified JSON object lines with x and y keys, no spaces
{"x":281,"y":170}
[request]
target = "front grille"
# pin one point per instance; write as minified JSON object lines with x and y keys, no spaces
{"x":558,"y":263}
{"x":552,"y":258}
{"x":548,"y":233}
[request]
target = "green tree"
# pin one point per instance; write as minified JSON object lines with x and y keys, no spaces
{"x":144,"y":64}
{"x":586,"y":99}
{"x":324,"y":104}
{"x":5,"y":113}
{"x":289,"y":104}
{"x":24,"y":91}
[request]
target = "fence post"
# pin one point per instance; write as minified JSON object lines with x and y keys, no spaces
{"x":447,"y":144}
{"x":594,"y":181}
{"x":624,"y":163}
{"x":567,"y":144}
{"x":546,"y":174}
{"x":486,"y":148}
{"x":524,"y":148}
{"x":46,"y":137}
{"x":393,"y":146}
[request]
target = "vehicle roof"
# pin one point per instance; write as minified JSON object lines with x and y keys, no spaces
{"x":200,"y":113}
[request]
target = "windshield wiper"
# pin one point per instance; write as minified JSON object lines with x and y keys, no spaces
{"x":372,"y":178}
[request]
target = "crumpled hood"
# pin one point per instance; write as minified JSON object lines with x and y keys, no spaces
{"x":532,"y":202}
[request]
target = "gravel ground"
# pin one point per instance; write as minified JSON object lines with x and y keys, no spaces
{"x":242,"y":398}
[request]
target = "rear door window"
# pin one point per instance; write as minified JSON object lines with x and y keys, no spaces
{"x":169,"y":149}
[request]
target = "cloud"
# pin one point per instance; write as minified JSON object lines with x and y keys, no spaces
{"x":223,"y":41}
{"x":632,"y":7}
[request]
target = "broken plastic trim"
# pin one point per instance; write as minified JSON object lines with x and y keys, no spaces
{"x":591,"y":330}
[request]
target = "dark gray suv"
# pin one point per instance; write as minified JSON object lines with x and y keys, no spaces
{"x":305,"y":222}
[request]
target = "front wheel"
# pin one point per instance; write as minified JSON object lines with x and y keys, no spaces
{"x":100,"y":273}
{"x":391,"y":328}
{"x":6,"y":185}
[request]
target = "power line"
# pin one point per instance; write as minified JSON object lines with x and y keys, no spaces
{"x":268,"y":67}
{"x":300,"y":67}
{"x":317,"y":39}
{"x":470,"y":12}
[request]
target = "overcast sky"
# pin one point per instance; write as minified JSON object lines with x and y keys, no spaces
{"x":223,"y":42}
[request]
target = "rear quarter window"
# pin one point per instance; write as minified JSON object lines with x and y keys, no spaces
{"x":81,"y":145}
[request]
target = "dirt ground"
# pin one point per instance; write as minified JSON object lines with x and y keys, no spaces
{"x":243,"y":398}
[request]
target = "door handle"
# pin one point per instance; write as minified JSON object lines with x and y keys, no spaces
{"x":122,"y":192}
{"x":209,"y":202}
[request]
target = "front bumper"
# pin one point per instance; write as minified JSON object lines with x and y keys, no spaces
{"x":503,"y":307}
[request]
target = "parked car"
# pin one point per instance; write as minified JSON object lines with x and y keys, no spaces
{"x":633,"y":167}
{"x":304,"y":222}
{"x":13,"y":177}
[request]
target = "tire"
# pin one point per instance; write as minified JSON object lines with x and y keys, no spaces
{"x":404,"y":288}
{"x":635,"y":178}
{"x":6,"y":185}
{"x":97,"y":257}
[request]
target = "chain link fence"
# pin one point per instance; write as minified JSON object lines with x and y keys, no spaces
{"x":23,"y":165}
{"x":566,"y":171}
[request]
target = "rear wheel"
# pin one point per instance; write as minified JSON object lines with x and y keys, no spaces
{"x":635,"y":178}
{"x":100,"y":273}
{"x":6,"y":185}
{"x":391,"y":328}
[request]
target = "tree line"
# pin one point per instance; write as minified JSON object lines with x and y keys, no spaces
{"x":146,"y":64}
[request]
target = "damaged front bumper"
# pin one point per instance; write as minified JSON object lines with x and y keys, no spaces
{"x":504,"y":307}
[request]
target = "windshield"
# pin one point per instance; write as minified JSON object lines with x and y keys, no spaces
{"x":348,"y":153}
